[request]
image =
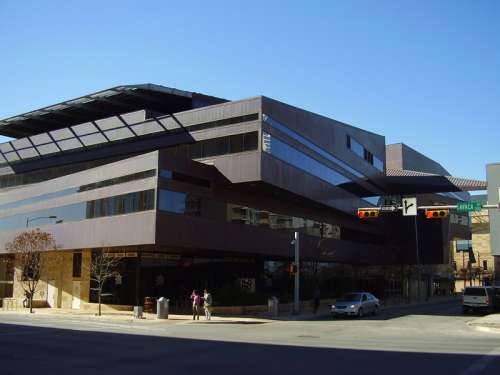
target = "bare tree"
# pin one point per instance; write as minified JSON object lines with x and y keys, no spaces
{"x":103,"y":266}
{"x":27,"y":248}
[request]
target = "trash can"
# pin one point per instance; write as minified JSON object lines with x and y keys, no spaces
{"x":148,"y":304}
{"x":162,"y":308}
{"x":272,"y":306}
{"x":138,"y":312}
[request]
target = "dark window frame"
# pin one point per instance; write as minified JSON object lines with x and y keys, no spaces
{"x":77,"y":264}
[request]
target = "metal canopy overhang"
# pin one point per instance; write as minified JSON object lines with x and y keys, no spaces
{"x":106,"y":103}
{"x":411,"y":182}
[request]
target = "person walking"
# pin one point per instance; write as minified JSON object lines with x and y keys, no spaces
{"x":207,"y":304}
{"x":196,"y":302}
{"x":316,"y":300}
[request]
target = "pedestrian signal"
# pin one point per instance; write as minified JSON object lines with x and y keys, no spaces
{"x":436,"y":214}
{"x":291,"y":268}
{"x":368,"y":214}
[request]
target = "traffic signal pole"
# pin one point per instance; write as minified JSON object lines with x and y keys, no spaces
{"x":419,"y":273}
{"x":432,"y":212}
{"x":443,"y":207}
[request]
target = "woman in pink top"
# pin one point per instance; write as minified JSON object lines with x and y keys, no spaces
{"x":196,"y":301}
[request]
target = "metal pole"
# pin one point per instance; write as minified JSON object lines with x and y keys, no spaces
{"x":418,"y":259}
{"x":296,"y":294}
{"x":464,"y":269}
{"x":479,"y":266}
{"x":470,"y":271}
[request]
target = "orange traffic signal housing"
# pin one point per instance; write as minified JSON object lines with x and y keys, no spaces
{"x":368,"y":214}
{"x":437,"y":214}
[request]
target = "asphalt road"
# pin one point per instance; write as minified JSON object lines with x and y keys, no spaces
{"x":431,"y":339}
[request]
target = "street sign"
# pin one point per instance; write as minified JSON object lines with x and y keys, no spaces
{"x":409,"y":206}
{"x":388,"y":208}
{"x":469,"y":206}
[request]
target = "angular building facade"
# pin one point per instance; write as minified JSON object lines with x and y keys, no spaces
{"x":192,"y":191}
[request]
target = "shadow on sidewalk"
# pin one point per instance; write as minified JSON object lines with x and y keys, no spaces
{"x":28,"y":349}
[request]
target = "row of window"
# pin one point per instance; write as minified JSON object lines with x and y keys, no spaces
{"x":171,"y":175}
{"x":224,"y":145}
{"x":96,"y":133}
{"x":119,"y":180}
{"x":121,"y":204}
{"x":117,"y":205}
{"x":290,"y":155}
{"x":77,"y":189}
{"x":362,"y":152}
{"x":284,"y":129}
{"x":190,"y":204}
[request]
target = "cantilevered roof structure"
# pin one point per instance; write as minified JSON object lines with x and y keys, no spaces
{"x":105,"y":103}
{"x":402,"y":181}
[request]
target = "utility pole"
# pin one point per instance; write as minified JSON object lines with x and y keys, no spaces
{"x":296,"y":294}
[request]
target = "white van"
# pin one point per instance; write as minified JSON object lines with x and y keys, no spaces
{"x":479,"y":298}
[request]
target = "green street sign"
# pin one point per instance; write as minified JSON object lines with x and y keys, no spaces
{"x":469,"y":206}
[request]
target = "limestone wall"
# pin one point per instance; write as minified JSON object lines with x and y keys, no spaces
{"x":57,"y":269}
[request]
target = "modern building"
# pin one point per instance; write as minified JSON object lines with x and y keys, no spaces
{"x":193,"y":191}
{"x":493,"y":178}
{"x":474,"y":262}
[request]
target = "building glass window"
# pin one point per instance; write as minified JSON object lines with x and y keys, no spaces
{"x":356,"y":147}
{"x":485,"y":265}
{"x":179,"y":202}
{"x":372,"y":200}
{"x":238,"y":214}
{"x":223,"y":145}
{"x":236,"y":143}
{"x":121,"y":204}
{"x":362,"y":152}
{"x":288,"y":154}
{"x":379,"y":164}
{"x":77,"y":264}
{"x":368,"y":156}
{"x":190,"y":204}
{"x":176,"y":176}
{"x":304,"y":141}
{"x":117,"y":205}
{"x":74,"y":190}
{"x":463,"y":245}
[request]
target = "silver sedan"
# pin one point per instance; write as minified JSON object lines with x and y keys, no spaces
{"x":358,"y":304}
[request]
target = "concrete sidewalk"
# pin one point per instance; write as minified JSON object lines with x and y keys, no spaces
{"x":127,"y":316}
{"x":489,"y":322}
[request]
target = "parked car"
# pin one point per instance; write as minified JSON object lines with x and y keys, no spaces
{"x":358,"y":304}
{"x":481,"y":298}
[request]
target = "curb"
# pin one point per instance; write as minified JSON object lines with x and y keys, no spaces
{"x":490,"y":328}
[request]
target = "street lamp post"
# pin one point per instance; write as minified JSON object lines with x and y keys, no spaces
{"x":296,"y":294}
{"x":30,"y":219}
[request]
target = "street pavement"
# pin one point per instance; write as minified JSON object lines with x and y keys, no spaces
{"x":433,"y":338}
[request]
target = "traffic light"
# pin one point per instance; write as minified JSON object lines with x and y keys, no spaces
{"x":436,"y":214}
{"x":367,"y":213}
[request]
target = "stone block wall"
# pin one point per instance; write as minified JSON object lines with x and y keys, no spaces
{"x":57,"y":269}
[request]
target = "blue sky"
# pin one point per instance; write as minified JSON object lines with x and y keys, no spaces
{"x":426,"y":73}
